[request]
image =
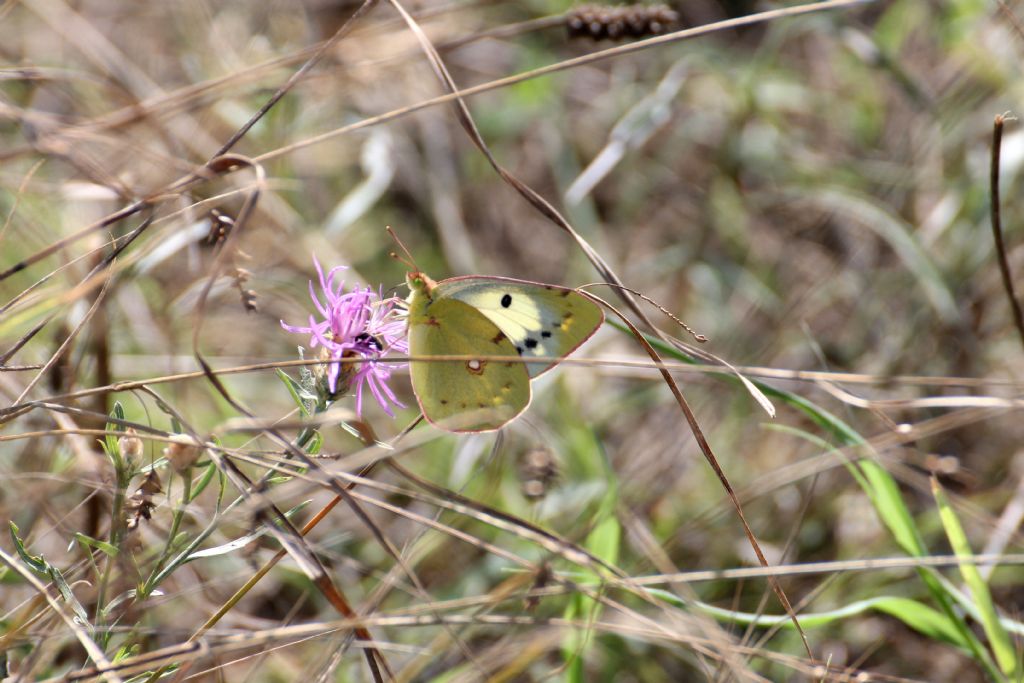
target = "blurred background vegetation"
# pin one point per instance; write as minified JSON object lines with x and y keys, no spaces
{"x":811,"y":193}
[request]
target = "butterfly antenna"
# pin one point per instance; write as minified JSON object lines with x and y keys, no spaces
{"x":408,"y":260}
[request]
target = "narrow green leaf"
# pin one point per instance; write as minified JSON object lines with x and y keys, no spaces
{"x":126,"y":651}
{"x":885,"y":495}
{"x":295,"y":390}
{"x":222,"y":483}
{"x":316,"y":442}
{"x":603,"y":541}
{"x":204,"y":481}
{"x":110,"y":442}
{"x":998,"y":638}
{"x":916,"y":615}
{"x":36,"y":562}
{"x":91,"y":542}
{"x":65,"y":592}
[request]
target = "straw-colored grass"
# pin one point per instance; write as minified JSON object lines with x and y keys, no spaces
{"x":808,"y":187}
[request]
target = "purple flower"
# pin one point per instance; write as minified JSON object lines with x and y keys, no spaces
{"x":356,"y":324}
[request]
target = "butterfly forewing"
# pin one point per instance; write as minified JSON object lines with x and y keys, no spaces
{"x":463,"y":395}
{"x":540,"y":320}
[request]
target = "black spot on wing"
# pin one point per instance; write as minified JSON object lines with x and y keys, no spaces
{"x":546,"y":334}
{"x":506,"y":301}
{"x":519,"y":350}
{"x":531,"y":343}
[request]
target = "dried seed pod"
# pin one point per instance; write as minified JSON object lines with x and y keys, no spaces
{"x":220,"y":225}
{"x":140,"y":505}
{"x":182,"y":452}
{"x":131,"y":447}
{"x":249,"y":296}
{"x":538,"y":469}
{"x":599,"y":22}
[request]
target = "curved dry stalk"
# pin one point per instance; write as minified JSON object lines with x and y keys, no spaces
{"x":997,"y":226}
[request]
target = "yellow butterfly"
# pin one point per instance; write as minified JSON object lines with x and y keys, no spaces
{"x":488,"y":316}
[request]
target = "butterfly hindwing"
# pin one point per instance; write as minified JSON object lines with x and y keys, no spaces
{"x":463,"y":395}
{"x":540,"y":320}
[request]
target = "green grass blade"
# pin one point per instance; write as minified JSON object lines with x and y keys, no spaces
{"x":918,"y":616}
{"x":603,"y":541}
{"x":998,"y":638}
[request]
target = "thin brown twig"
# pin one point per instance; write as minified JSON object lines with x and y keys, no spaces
{"x":997,"y":227}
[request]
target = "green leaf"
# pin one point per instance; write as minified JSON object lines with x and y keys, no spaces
{"x":204,"y":481}
{"x":916,"y":615}
{"x":65,"y":591}
{"x":126,"y":651}
{"x":885,"y":495}
{"x":923,"y":619}
{"x":91,"y":542}
{"x":110,"y":442}
{"x":222,"y":481}
{"x":36,"y":562}
{"x":39,"y":564}
{"x":603,"y":542}
{"x":998,"y":638}
{"x":296,"y":391}
{"x":315,"y":444}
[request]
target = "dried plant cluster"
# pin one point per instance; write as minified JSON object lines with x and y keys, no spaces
{"x":190,"y":495}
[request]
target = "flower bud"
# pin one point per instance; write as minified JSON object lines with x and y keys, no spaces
{"x":131,"y":447}
{"x":182,"y":452}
